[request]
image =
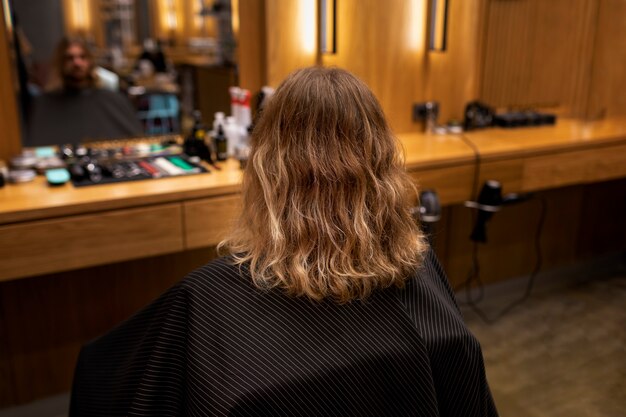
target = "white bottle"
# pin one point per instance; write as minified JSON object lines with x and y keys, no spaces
{"x":234,"y":102}
{"x":232,"y":132}
{"x":245,"y":113}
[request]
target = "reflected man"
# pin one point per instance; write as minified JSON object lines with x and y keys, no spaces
{"x":79,"y":110}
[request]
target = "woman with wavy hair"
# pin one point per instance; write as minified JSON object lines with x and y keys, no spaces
{"x":327,"y":301}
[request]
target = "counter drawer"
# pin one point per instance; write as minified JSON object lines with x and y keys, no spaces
{"x":575,"y":167}
{"x":207,"y":221}
{"x":453,"y":184}
{"x":609,"y":163}
{"x":74,"y":242}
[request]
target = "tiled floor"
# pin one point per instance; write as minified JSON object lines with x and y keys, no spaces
{"x":562,"y":353}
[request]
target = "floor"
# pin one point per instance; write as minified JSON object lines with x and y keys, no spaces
{"x":561,"y":353}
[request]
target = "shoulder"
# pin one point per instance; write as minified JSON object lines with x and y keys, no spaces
{"x":49,"y":97}
{"x":431,"y":275}
{"x":219,"y":276}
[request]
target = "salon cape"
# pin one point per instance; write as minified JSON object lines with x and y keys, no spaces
{"x":214,"y":345}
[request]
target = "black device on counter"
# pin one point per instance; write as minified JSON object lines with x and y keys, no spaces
{"x":478,"y":115}
{"x":523,"y":119}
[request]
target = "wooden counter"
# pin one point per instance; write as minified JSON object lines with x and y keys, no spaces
{"x":572,"y":152}
{"x":74,"y":262}
{"x":45,"y":229}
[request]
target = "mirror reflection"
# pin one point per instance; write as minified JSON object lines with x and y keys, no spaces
{"x":107,"y":69}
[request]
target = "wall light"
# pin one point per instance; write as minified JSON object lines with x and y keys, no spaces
{"x":167,"y":12}
{"x":438,"y":25}
{"x":416,"y":26}
{"x":328,"y":26}
{"x":7,"y":16}
{"x":80,"y":15}
{"x":307,"y":16}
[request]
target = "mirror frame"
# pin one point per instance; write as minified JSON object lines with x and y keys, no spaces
{"x":11,"y":140}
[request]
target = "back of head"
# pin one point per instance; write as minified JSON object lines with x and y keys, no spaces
{"x":325,"y":196}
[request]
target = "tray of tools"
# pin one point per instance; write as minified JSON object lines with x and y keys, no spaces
{"x":121,"y":161}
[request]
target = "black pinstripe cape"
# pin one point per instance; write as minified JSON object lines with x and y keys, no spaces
{"x":213,"y":345}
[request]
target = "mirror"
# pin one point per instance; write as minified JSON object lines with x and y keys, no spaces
{"x":130,"y":67}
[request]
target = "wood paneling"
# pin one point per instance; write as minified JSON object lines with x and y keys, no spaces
{"x":538,"y":53}
{"x":384,"y":44}
{"x":69,"y":243}
{"x":606,"y":93}
{"x":291,"y":41}
{"x":453,"y":184}
{"x":510,"y":248}
{"x":207,"y":221}
{"x":603,"y":223}
{"x":574,"y":168}
{"x":508,"y":173}
{"x":45,"y":320}
{"x":211,"y":90}
{"x":251,"y":48}
{"x":454,"y":76}
{"x":10,"y":139}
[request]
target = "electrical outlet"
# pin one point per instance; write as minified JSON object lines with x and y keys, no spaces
{"x":423,"y":111}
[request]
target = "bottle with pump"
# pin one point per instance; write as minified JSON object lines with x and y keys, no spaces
{"x":221,"y":144}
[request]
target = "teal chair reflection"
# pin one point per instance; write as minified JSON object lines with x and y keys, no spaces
{"x":162,"y":114}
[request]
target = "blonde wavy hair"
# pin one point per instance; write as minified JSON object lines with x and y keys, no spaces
{"x":326,"y":200}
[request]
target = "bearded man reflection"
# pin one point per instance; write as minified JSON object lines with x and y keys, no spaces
{"x":78,"y":109}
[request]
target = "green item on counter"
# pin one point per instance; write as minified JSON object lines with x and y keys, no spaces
{"x":180,"y":163}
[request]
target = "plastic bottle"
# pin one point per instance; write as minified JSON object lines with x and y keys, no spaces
{"x":234,"y":101}
{"x":232,"y":131}
{"x":245,"y":113}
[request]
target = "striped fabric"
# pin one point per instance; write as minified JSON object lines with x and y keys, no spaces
{"x":214,"y":345}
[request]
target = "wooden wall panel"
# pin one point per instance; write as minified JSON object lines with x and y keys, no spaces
{"x":208,"y":221}
{"x":606,"y":93}
{"x":384,"y":44}
{"x":10,"y":131}
{"x":453,"y":77}
{"x":538,"y":53}
{"x":45,"y":320}
{"x":92,"y":239}
{"x":602,"y":201}
{"x":510,"y":248}
{"x":251,"y":48}
{"x":291,"y":41}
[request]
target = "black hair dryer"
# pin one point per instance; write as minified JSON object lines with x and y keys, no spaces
{"x":429,"y":212}
{"x":490,"y":201}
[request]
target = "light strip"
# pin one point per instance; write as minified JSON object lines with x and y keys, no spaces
{"x":328,"y":26}
{"x":438,"y":25}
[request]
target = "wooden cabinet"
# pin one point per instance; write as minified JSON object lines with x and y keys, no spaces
{"x":67,"y":243}
{"x":208,"y":220}
{"x":453,"y":184}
